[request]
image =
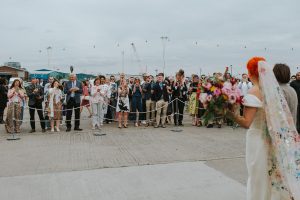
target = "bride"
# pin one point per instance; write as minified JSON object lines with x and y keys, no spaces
{"x":272,"y":142}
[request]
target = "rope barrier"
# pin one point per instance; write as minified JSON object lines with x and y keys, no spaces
{"x":156,"y":109}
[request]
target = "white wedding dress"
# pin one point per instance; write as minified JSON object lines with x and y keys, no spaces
{"x":256,"y":153}
{"x":257,"y":157}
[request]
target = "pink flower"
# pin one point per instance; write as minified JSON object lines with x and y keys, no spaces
{"x":207,"y":86}
{"x":209,"y":98}
{"x":217,"y":92}
{"x":226,"y":91}
{"x":232,"y":99}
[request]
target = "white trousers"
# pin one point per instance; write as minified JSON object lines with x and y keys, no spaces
{"x":98,"y":113}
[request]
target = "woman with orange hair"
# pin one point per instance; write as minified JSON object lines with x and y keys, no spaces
{"x":272,"y":142}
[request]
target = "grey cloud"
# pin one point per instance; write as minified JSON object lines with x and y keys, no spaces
{"x":79,"y":25}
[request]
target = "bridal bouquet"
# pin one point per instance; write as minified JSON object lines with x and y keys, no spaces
{"x":217,"y":96}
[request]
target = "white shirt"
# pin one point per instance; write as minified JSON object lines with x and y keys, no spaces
{"x":244,"y":87}
{"x":73,"y":86}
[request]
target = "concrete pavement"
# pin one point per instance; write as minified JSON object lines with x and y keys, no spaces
{"x":133,"y":163}
{"x":177,"y":181}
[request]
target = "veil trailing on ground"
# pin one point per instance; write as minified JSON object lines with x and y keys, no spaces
{"x":282,"y":131}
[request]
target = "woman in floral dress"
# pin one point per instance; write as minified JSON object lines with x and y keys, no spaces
{"x":16,"y":95}
{"x":55,"y":105}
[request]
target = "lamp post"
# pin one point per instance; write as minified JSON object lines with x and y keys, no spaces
{"x":123,"y":53}
{"x":164,"y":39}
{"x":48,"y":54}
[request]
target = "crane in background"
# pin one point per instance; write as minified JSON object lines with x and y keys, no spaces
{"x":137,"y":58}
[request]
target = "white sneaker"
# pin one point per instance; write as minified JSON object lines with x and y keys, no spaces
{"x":52,"y":130}
{"x":57,"y":129}
{"x":144,"y":122}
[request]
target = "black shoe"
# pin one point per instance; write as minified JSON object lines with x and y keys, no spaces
{"x":2,"y":122}
{"x":43,"y":130}
{"x":77,"y":129}
{"x":210,"y":126}
{"x":32,"y":131}
{"x":68,"y":130}
{"x":180,"y":124}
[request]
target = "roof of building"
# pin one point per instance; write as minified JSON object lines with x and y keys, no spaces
{"x":18,"y":69}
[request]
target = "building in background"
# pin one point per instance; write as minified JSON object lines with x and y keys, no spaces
{"x":13,"y":64}
{"x":46,"y":73}
{"x":13,"y":69}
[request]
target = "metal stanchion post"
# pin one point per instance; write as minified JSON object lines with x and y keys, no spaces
{"x":176,"y":129}
{"x":13,"y":136}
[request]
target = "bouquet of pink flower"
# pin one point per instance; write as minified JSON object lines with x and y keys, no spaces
{"x":216,"y":96}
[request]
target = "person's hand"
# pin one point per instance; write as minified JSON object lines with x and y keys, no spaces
{"x":35,"y":90}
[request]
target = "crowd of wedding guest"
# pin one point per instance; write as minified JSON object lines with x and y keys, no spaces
{"x":148,"y":100}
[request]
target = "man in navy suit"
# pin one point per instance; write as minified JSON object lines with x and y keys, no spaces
{"x":73,"y":89}
{"x":161,"y":94}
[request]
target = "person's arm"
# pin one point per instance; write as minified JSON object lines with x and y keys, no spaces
{"x":224,"y":75}
{"x":66,"y":89}
{"x":29,"y":91}
{"x":134,"y":89}
{"x":10,"y":93}
{"x":246,"y":120}
{"x":249,"y":112}
{"x":144,"y":87}
{"x":21,"y":94}
{"x":79,"y":89}
{"x":185,"y":89}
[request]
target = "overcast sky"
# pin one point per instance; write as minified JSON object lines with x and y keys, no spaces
{"x":91,"y":34}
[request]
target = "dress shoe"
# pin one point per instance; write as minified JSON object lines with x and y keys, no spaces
{"x":210,"y":126}
{"x":77,"y":129}
{"x":68,"y":130}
